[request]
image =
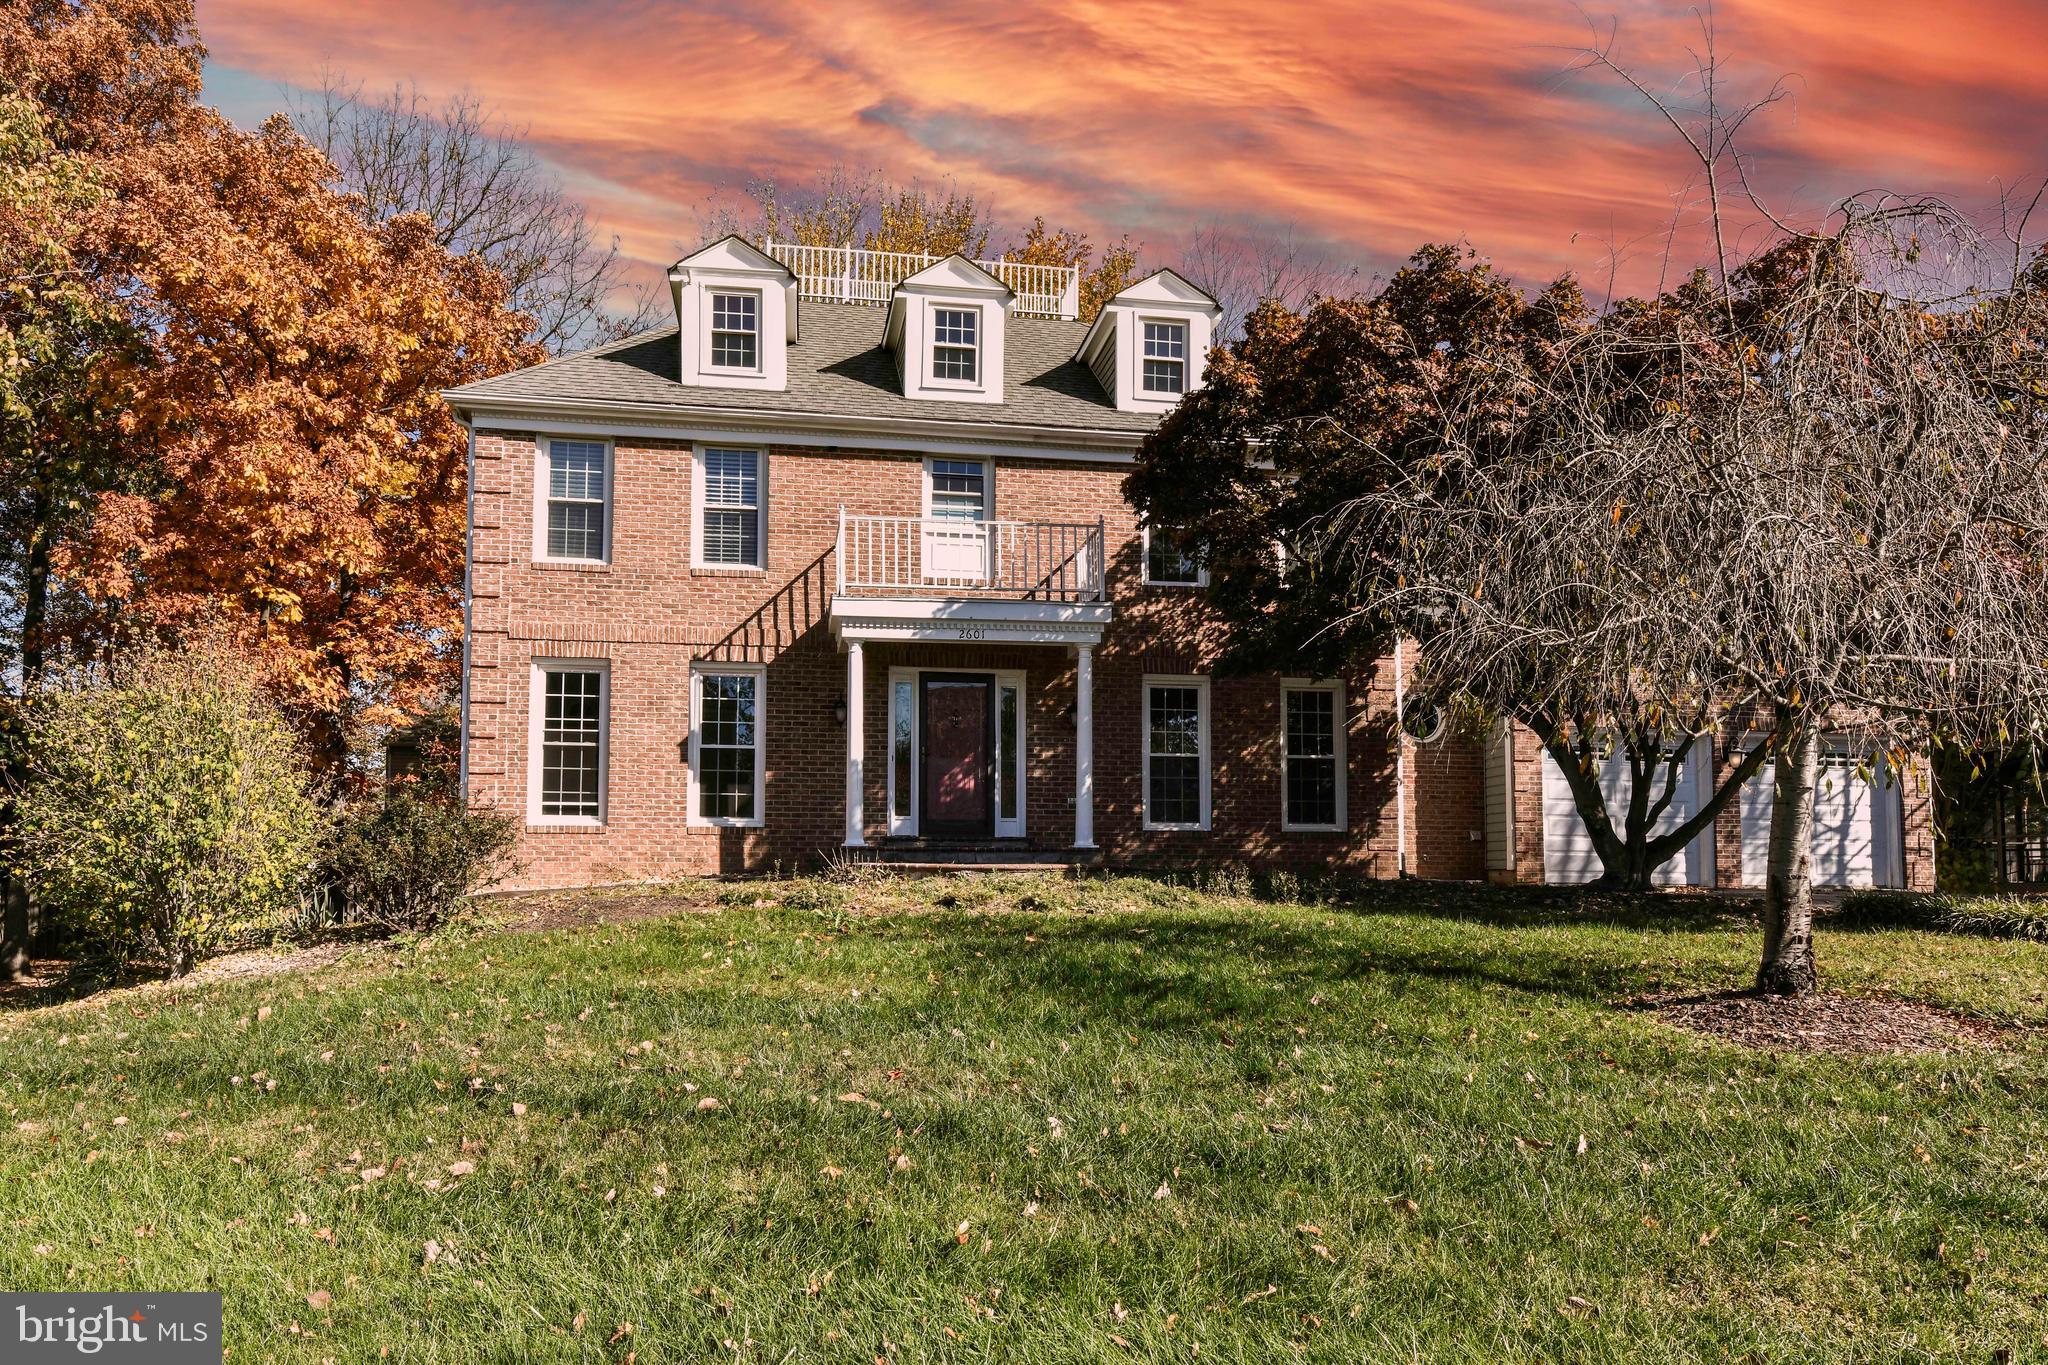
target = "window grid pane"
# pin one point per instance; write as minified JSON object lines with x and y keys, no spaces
{"x":953,"y":343}
{"x":959,"y":489}
{"x":1311,"y":758}
{"x":1168,"y":561}
{"x":1174,"y":747}
{"x":576,"y":500}
{"x":1008,"y":779}
{"x":1166,"y":349}
{"x":732,"y":506}
{"x":735,"y":326}
{"x":902,"y":720}
{"x":728,"y":748}
{"x":572,"y":733}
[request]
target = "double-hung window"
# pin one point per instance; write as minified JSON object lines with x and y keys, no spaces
{"x":1172,"y":560}
{"x":958,"y":489}
{"x":570,"y":702}
{"x":1176,"y":774}
{"x":1166,"y":358}
{"x":729,"y":507}
{"x":726,"y":769}
{"x":1312,"y":756}
{"x":736,"y":331}
{"x":576,"y":479}
{"x":956,"y":346}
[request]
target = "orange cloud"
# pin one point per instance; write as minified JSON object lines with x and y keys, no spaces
{"x":1372,"y":128}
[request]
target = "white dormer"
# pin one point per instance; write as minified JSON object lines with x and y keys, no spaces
{"x":946,"y":327}
{"x":736,"y":314}
{"x":1149,"y":344}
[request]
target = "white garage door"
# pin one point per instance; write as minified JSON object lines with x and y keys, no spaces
{"x":1568,"y":854}
{"x":1857,"y":818}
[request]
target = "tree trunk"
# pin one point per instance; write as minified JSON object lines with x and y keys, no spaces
{"x":17,"y":928}
{"x":1787,"y":967}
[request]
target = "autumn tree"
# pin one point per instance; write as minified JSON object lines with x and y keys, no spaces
{"x":1101,"y":280}
{"x":475,"y":178}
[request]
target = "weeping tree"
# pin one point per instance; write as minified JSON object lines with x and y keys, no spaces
{"x":1815,"y":495}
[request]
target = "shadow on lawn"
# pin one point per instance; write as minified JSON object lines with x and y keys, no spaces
{"x":1194,"y":971}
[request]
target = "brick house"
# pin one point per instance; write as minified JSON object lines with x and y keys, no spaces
{"x":842,"y":562}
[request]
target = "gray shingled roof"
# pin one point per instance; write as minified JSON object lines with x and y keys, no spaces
{"x":837,"y":368}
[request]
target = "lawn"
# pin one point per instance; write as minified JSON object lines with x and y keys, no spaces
{"x":1012,"y":1119}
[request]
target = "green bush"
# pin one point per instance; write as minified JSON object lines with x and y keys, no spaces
{"x":165,"y":815}
{"x":1942,"y":912}
{"x":407,"y":862}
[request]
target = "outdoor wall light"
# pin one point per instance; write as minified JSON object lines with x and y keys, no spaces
{"x":839,"y":708}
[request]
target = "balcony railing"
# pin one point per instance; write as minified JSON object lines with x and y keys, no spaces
{"x":1032,"y":561}
{"x":849,"y":274}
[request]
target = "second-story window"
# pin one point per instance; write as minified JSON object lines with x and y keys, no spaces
{"x":729,"y":508}
{"x":1166,"y":357}
{"x":955,"y":344}
{"x":576,"y":494}
{"x":736,"y":331}
{"x":959,"y":490}
{"x":1173,"y":561}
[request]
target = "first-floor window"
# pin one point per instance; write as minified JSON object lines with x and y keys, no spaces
{"x":1311,"y":736}
{"x":571,"y":731}
{"x":1177,"y":753}
{"x":725,"y":746}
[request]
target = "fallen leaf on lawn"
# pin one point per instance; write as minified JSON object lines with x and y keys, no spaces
{"x":625,"y":1330}
{"x":1165,"y":1191}
{"x":430,"y":1252}
{"x":1582,"y":1144}
{"x":1322,"y":1251}
{"x":1119,"y":1341}
{"x":1031,"y":1208}
{"x":1268,"y":1292}
{"x":1707,"y":1237}
{"x":44,"y":1248}
{"x":1575,"y":1304}
{"x":319,"y":1298}
{"x":1404,"y":1204}
{"x":518,"y":1110}
{"x":576,"y":1323}
{"x":831,"y":1172}
{"x":707,"y":1104}
{"x":1310,"y":1228}
{"x":461,"y":1168}
{"x":370,"y":1173}
{"x":1119,"y":1312}
{"x":262,"y":1014}
{"x":960,"y":1233}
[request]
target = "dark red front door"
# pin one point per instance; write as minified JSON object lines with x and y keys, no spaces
{"x":958,"y":728}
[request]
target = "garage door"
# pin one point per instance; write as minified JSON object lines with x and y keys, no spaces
{"x":1568,"y":854}
{"x":1857,"y":820}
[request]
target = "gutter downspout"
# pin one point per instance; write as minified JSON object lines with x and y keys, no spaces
{"x":1400,"y":762}
{"x":468,"y":559}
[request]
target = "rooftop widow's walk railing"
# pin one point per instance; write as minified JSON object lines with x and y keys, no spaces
{"x":1038,"y":561}
{"x":851,"y":274}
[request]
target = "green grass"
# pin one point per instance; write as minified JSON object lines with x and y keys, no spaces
{"x":1165,"y":1121}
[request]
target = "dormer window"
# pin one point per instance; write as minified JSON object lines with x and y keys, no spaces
{"x":1166,"y":357}
{"x":955,"y":348}
{"x":736,"y":330}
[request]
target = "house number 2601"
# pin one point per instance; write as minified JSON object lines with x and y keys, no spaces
{"x":972,"y":633}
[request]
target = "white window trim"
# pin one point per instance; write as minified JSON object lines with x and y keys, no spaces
{"x":908,"y":826}
{"x":697,"y":560}
{"x":759,"y":672}
{"x":708,"y":309}
{"x":1340,"y":723}
{"x":1187,"y":344}
{"x":1200,"y":580}
{"x":543,"y":464}
{"x":931,"y":379}
{"x":988,"y":482}
{"x":536,"y":718}
{"x":1201,"y":686}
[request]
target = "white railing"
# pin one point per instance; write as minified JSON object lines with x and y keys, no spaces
{"x":1042,"y":561}
{"x":851,"y":274}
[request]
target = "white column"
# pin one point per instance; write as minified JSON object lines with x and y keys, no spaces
{"x":1084,"y":747}
{"x":856,"y":746}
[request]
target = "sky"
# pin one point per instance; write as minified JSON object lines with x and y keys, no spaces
{"x":1368,"y":129}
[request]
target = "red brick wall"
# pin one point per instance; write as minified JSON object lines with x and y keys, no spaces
{"x":650,"y":614}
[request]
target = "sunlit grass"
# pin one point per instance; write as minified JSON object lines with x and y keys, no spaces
{"x":1127,"y":1122}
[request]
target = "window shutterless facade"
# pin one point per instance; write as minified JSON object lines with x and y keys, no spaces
{"x":1171,"y":562}
{"x":574,"y":502}
{"x":956,"y":344}
{"x":729,"y":500}
{"x":726,"y":759}
{"x":571,"y":701}
{"x":956,"y":490}
{"x":1312,"y":756}
{"x":735,"y":331}
{"x":1176,"y":728}
{"x":1166,"y":358}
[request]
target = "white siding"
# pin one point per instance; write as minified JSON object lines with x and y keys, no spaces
{"x":1857,"y":825}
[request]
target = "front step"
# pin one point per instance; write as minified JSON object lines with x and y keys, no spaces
{"x":939,"y":856}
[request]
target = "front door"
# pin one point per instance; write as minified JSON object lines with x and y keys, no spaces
{"x":958,"y":724}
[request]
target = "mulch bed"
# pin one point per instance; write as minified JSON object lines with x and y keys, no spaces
{"x":1826,"y":1022}
{"x":577,"y":909}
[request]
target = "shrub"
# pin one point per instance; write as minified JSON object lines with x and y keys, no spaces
{"x":407,"y":862}
{"x":165,"y":815}
{"x":1943,"y":912}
